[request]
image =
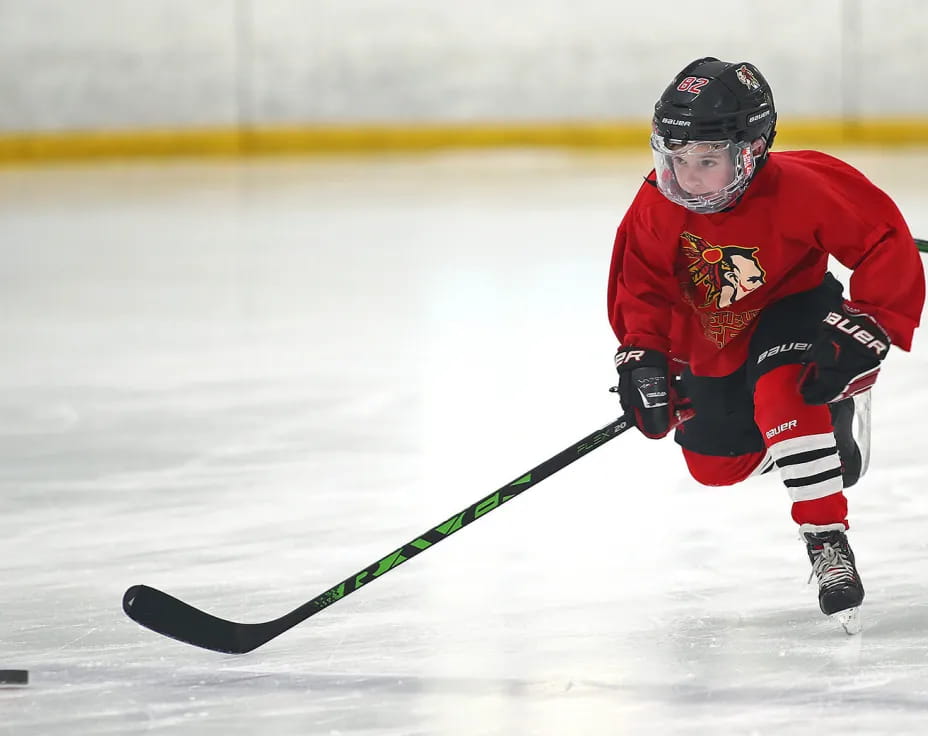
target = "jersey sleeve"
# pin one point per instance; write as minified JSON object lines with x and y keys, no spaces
{"x":641,"y":282}
{"x":867,"y":233}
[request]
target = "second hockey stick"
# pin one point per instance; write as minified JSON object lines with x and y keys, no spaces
{"x":171,"y":617}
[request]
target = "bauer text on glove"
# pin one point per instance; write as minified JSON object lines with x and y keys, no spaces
{"x":845,"y":358}
{"x":648,"y":391}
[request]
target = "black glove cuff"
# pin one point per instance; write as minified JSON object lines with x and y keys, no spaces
{"x":628,"y":358}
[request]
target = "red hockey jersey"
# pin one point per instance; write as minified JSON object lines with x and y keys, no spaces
{"x":692,"y":285}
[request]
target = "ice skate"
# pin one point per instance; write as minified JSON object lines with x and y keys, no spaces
{"x":851,"y":420}
{"x":840,"y":591}
{"x":861,"y":431}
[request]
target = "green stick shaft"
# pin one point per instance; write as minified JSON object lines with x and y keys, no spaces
{"x":172,"y":617}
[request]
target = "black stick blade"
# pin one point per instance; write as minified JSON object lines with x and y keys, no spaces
{"x":171,"y":617}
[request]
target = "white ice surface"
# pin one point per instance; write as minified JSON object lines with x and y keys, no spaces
{"x":243,"y":382}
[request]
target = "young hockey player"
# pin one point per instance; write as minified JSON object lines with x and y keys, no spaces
{"x":732,"y":331}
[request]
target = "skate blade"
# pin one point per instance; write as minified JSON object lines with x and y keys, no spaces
{"x":862,"y":428}
{"x":849,"y":619}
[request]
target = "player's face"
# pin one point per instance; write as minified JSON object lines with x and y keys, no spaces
{"x":703,"y":176}
{"x":701,"y":169}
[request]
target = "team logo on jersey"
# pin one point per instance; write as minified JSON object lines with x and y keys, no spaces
{"x":747,"y":78}
{"x":726,"y":273}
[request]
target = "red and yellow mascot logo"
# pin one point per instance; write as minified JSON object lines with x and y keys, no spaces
{"x":726,"y":272}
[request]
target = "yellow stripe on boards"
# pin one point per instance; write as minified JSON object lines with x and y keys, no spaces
{"x":37,"y":147}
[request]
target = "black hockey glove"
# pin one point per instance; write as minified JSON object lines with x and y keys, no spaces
{"x":648,"y":391}
{"x":845,"y":358}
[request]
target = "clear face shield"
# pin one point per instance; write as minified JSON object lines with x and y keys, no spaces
{"x":703,"y":176}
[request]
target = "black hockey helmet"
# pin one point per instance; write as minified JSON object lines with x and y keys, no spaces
{"x":704,"y":131}
{"x":712,"y":100}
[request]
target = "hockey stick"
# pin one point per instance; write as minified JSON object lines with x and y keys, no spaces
{"x":171,"y":617}
{"x":922,"y":245}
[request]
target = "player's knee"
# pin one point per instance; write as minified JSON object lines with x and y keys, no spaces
{"x":710,"y":470}
{"x":779,"y":389}
{"x":781,"y":413}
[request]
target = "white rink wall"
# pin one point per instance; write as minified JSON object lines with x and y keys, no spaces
{"x":100,"y":64}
